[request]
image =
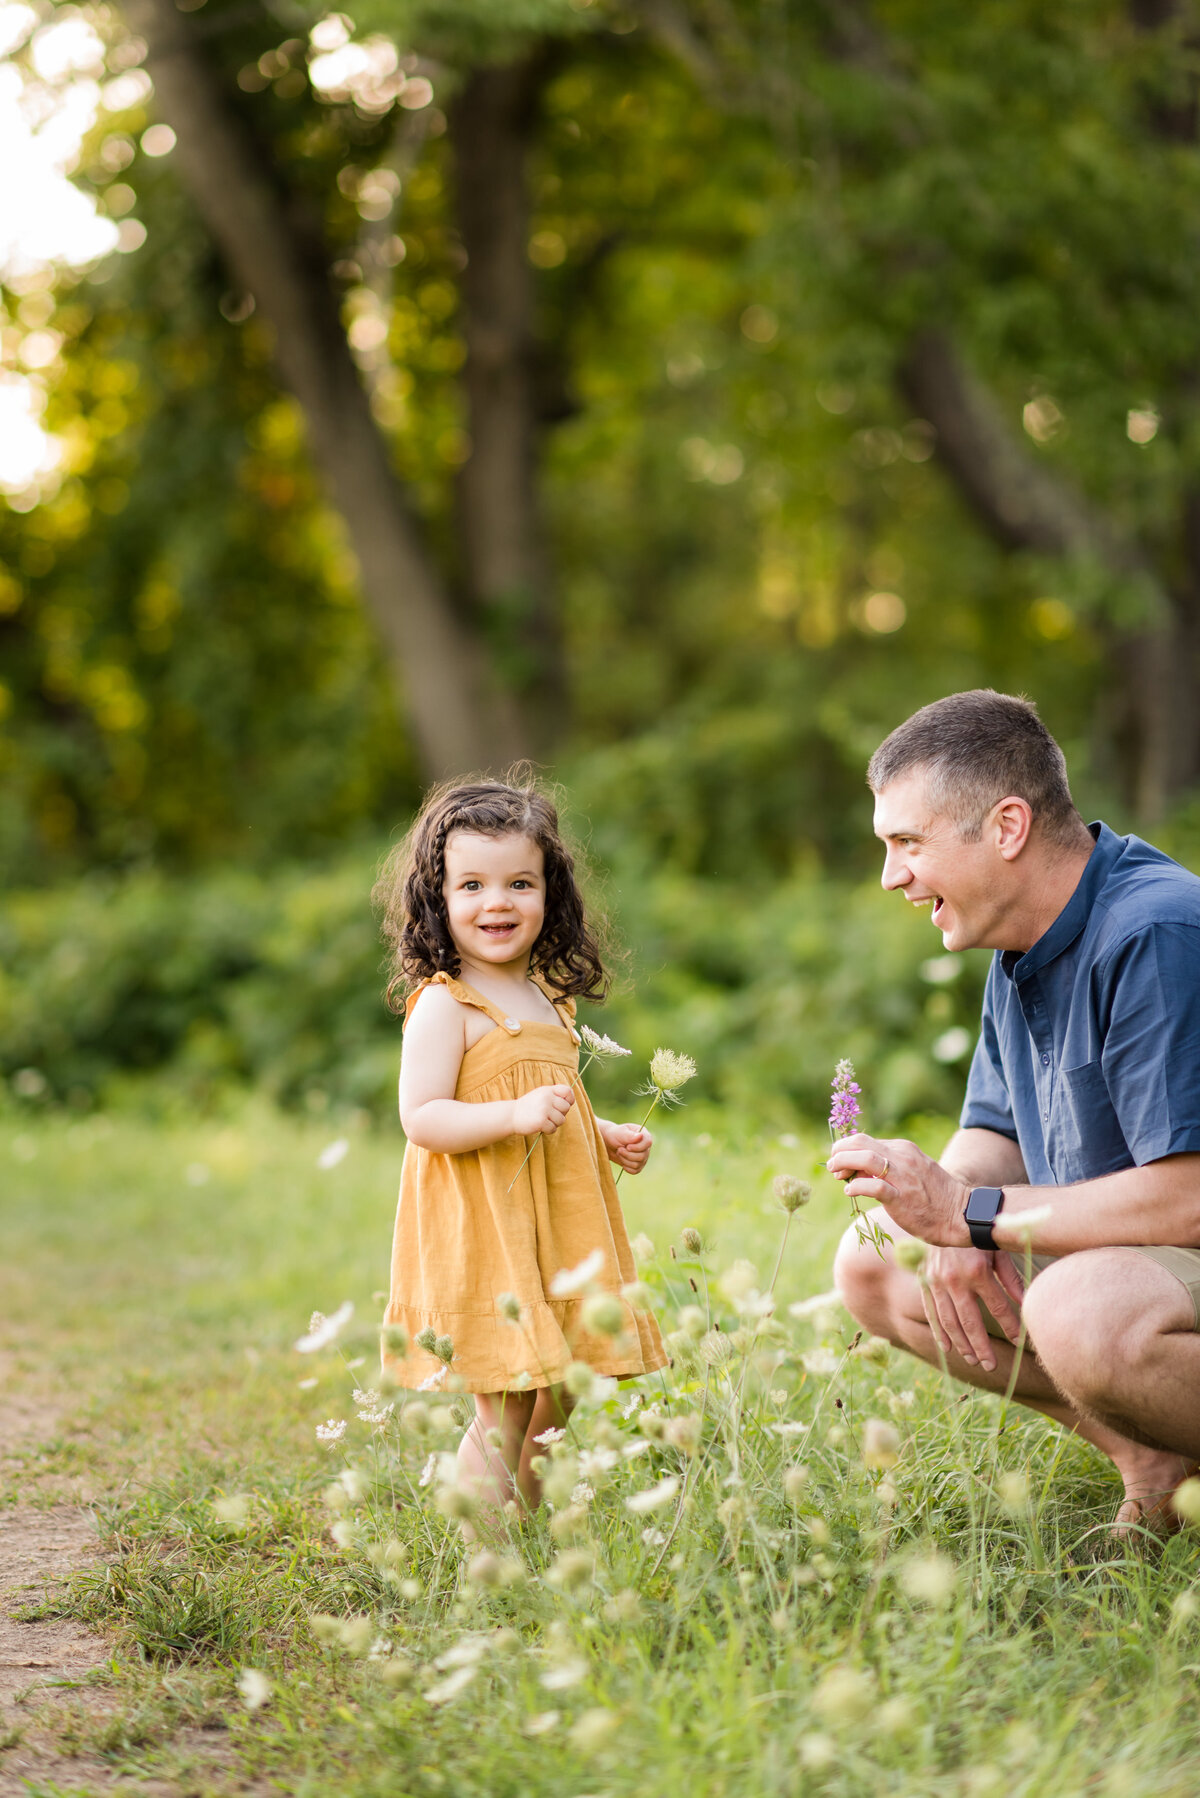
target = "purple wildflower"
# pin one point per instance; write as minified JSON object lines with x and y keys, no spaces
{"x":844,"y":1111}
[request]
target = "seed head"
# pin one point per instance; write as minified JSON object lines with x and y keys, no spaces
{"x":415,"y":1417}
{"x":484,"y":1569}
{"x":426,"y":1338}
{"x":579,"y":1379}
{"x":683,"y":1433}
{"x":669,"y":1071}
{"x":592,"y":1729}
{"x":794,"y":1482}
{"x":931,"y":1579}
{"x":910,"y":1254}
{"x":844,"y":1696}
{"x":572,"y":1569}
{"x":693,"y":1320}
{"x":881,"y":1445}
{"x":394,"y":1340}
{"x":638,"y":1295}
{"x":509,"y":1307}
{"x":443,"y":1348}
{"x":1186,"y":1500}
{"x":716,"y":1348}
{"x":1012,"y":1489}
{"x":791,"y":1192}
{"x":604,"y":1314}
{"x":643,"y":1247}
{"x":691,"y":1239}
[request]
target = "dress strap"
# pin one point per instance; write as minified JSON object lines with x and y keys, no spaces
{"x":466,"y":995}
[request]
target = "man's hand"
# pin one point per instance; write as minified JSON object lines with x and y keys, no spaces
{"x":924,"y":1199}
{"x":628,"y":1145}
{"x":953,"y":1280}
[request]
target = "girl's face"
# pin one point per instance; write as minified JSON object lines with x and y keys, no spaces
{"x":495,"y":894}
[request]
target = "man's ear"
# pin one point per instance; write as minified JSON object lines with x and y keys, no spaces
{"x":1010,"y":822}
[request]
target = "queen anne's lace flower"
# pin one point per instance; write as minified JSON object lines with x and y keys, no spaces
{"x":332,"y":1430}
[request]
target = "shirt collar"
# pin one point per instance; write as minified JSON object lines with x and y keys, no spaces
{"x":1019,"y":964}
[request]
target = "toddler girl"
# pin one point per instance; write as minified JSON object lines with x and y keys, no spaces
{"x":488,"y":936}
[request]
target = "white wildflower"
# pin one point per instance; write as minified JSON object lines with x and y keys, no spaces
{"x":594,"y":1461}
{"x":598,"y":1044}
{"x":307,"y":1385}
{"x":541,"y":1723}
{"x":583,"y":1494}
{"x":450,"y":1687}
{"x":821,"y":1361}
{"x":643,"y":1247}
{"x":567,"y":1673}
{"x":653,"y":1538}
{"x":333,"y":1153}
{"x":548,"y":1438}
{"x":254,"y":1687}
{"x":332,"y":1430}
{"x":322,"y":1331}
{"x":574,"y":1279}
{"x":234,"y":1508}
{"x":635,"y":1399}
{"x":823,"y":1301}
{"x":652,"y":1498}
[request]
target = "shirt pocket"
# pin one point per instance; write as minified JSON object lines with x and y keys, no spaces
{"x":1085,"y":1136}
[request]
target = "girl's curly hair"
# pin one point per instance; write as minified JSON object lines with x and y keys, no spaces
{"x":409,"y":889}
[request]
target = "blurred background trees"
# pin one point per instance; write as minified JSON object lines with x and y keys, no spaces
{"x":679,"y":391}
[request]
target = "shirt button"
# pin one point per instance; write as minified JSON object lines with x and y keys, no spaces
{"x":1045,"y":1117}
{"x":511,"y":1024}
{"x":1045,"y":1061}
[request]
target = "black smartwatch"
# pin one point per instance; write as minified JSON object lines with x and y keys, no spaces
{"x":984,"y":1205}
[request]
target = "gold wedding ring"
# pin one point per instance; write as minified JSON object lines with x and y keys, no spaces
{"x":886,"y":1165}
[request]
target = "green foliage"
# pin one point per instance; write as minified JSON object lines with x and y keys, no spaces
{"x":239,"y":978}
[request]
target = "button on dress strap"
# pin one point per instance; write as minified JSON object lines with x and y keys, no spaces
{"x":467,"y":995}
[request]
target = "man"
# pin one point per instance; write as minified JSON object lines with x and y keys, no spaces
{"x":1082,"y":1111}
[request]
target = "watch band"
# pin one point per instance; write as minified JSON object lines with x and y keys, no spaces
{"x":983,"y":1206}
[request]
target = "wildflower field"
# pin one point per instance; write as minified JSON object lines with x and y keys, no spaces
{"x":794,"y":1563}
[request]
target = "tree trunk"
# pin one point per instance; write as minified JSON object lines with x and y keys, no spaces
{"x":505,"y":563}
{"x":459,"y":718}
{"x":1149,"y":718}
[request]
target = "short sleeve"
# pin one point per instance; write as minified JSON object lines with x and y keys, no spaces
{"x":988,"y":1103}
{"x":1149,"y":1006}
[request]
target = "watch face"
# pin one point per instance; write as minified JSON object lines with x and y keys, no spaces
{"x":983,"y":1204}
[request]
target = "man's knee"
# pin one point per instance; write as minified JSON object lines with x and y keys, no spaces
{"x":1084,"y":1317}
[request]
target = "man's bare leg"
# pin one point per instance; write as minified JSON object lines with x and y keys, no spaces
{"x":887,"y":1301}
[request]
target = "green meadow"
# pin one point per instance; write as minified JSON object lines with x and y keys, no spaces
{"x":794,"y":1564}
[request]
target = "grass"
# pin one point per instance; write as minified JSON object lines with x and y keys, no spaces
{"x":956,"y":1623}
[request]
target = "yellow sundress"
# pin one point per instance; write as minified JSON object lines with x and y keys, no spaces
{"x":462,"y":1237}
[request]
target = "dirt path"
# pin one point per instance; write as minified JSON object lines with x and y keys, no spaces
{"x":49,"y":1707}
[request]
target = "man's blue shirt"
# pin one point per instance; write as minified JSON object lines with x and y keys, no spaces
{"x":1089,"y":1053}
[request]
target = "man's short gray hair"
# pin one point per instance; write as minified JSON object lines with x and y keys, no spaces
{"x":975,"y":749}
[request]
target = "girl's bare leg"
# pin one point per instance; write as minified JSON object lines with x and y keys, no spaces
{"x":552,"y":1407}
{"x":486,"y":1469}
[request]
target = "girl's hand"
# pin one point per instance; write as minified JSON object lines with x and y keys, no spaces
{"x":540,"y":1112}
{"x":628,"y":1145}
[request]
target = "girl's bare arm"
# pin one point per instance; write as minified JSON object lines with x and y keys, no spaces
{"x":434,"y":1045}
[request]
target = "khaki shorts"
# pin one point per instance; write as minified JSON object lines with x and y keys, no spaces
{"x":1183,"y":1263}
